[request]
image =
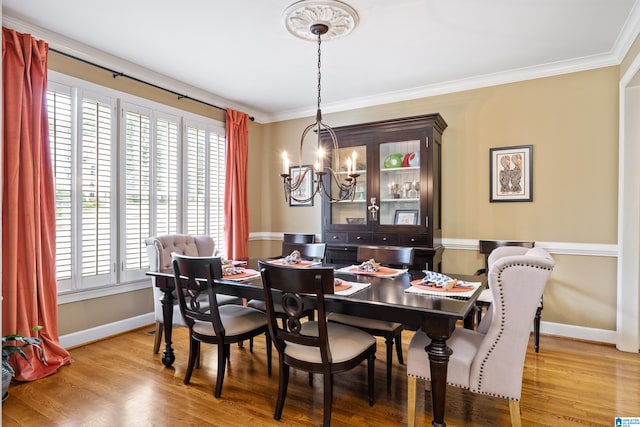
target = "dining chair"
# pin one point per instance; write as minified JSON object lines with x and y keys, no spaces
{"x":311,"y":346}
{"x":299,"y":238}
{"x":490,"y":360}
{"x":485,"y":298}
{"x":392,"y":256}
{"x":159,"y":249}
{"x":212,"y":323}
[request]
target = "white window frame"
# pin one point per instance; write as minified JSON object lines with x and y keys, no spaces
{"x":120,"y":280}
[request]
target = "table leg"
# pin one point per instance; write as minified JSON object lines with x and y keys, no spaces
{"x":439,"y":353}
{"x":167,"y":317}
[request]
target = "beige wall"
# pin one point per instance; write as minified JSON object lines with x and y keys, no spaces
{"x":572,"y":122}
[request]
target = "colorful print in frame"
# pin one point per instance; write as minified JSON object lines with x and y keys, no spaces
{"x":511,"y":174}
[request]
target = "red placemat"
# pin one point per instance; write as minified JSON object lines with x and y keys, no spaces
{"x":341,"y":286}
{"x":247,"y":273}
{"x":425,"y":286}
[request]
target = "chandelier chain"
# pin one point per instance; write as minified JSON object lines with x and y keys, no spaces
{"x":319,"y":64}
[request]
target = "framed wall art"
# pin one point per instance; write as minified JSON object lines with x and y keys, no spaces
{"x":511,"y":174}
{"x":406,"y":217}
{"x":305,"y":189}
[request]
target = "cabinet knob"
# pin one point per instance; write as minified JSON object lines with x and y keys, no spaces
{"x":334,"y":237}
{"x":413,"y":240}
{"x":346,"y":249}
{"x":384,"y":239}
{"x":359,"y":238}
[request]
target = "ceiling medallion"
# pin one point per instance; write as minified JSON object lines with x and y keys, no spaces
{"x":339,"y":17}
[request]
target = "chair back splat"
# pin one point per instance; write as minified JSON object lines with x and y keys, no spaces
{"x":313,"y":346}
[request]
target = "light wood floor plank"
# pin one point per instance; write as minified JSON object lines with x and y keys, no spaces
{"x":118,"y":381}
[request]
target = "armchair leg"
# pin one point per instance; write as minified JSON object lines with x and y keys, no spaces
{"x":536,"y":330}
{"x":412,"y":385}
{"x":514,"y":410}
{"x":399,"y":348}
{"x":389,"y":346}
{"x":370,"y":377}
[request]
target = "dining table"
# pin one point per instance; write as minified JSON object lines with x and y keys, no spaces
{"x":385,"y":297}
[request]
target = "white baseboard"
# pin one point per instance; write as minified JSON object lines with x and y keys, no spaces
{"x":103,"y":331}
{"x":578,"y":332}
{"x":89,"y":335}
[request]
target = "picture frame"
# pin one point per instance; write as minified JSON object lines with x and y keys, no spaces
{"x":305,"y":188}
{"x":511,"y":174}
{"x":406,"y":217}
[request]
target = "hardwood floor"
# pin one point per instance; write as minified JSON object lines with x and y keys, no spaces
{"x":119,"y":382}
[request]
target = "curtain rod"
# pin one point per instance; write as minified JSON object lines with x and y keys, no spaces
{"x":120,"y":74}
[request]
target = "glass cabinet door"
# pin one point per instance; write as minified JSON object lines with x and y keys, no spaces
{"x":400,"y":183}
{"x":350,"y":211}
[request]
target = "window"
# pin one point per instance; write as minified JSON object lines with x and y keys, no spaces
{"x":59,"y":107}
{"x":205,"y":174}
{"x":116,"y":188}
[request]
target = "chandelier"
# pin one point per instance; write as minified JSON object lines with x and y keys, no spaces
{"x":313,"y":20}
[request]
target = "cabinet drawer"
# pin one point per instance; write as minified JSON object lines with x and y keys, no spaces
{"x":333,"y":238}
{"x":359,"y":238}
{"x":385,"y":239}
{"x":413,"y":240}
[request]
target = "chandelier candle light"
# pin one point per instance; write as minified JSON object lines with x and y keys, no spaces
{"x":313,"y":20}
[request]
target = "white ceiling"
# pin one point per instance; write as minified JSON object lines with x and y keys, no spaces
{"x":239,"y":54}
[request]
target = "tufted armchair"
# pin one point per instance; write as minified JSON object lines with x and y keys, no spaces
{"x":490,"y":360}
{"x":159,"y":250}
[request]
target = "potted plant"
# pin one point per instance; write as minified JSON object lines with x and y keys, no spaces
{"x":14,"y":344}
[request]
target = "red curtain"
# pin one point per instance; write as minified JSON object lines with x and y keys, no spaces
{"x":28,"y":205}
{"x":236,"y":208}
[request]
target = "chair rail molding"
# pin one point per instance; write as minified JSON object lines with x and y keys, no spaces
{"x":559,"y":248}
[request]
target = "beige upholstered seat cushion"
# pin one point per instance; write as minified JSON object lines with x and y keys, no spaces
{"x":363,"y":322}
{"x":345,"y":343}
{"x":236,"y":320}
{"x":463,"y":342}
{"x":260,"y":305}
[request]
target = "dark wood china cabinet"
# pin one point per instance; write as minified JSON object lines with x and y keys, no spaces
{"x":397,"y":200}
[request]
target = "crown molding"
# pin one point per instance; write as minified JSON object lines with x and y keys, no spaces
{"x":628,"y":34}
{"x":478,"y":82}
